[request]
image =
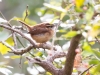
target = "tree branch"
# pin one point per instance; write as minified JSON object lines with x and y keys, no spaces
{"x":48,"y":66}
{"x":14,"y":39}
{"x":71,"y":55}
{"x":17,"y":51}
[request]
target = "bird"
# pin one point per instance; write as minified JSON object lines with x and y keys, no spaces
{"x":41,"y":32}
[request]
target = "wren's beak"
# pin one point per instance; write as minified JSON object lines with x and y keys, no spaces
{"x":51,"y":25}
{"x":55,"y":24}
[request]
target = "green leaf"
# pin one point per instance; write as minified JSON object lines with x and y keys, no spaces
{"x":27,"y":20}
{"x":97,"y":54}
{"x":92,"y":43}
{"x":80,"y":22}
{"x":94,"y":61}
{"x":53,"y":7}
{"x":86,"y":47}
{"x":87,"y":50}
{"x":79,"y":3}
{"x":86,"y":53}
{"x":64,"y":13}
{"x":3,"y":49}
{"x":54,"y":19}
{"x":96,"y":69}
{"x":10,"y":41}
{"x":26,"y":12}
{"x":1,"y":29}
{"x":48,"y":73}
{"x":62,"y":30}
{"x":66,"y":17}
{"x":39,"y":54}
{"x":26,"y":62}
{"x":15,"y":57}
{"x":78,"y":9}
{"x":70,"y":34}
{"x":89,"y":13}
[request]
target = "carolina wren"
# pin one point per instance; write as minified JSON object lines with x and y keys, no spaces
{"x":42,"y":32}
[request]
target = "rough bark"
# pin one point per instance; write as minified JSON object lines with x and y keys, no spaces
{"x":71,"y":55}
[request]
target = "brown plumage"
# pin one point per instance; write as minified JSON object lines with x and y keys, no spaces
{"x":42,"y":32}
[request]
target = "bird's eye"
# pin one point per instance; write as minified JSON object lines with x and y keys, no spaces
{"x":49,"y":26}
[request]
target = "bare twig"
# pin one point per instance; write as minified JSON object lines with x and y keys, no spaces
{"x":20,"y":60}
{"x":2,"y":15}
{"x":14,"y":39}
{"x":22,"y":51}
{"x":53,"y":40}
{"x":13,"y":34}
{"x":5,"y":19}
{"x":97,"y":40}
{"x":26,"y":13}
{"x":86,"y":70}
{"x":17,"y":51}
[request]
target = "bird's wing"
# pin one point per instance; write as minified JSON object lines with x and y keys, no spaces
{"x":38,"y":30}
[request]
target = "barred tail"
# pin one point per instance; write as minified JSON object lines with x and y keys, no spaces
{"x":24,"y":24}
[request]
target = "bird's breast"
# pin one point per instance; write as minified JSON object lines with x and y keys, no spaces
{"x":43,"y":37}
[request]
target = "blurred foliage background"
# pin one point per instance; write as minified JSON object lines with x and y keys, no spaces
{"x":71,"y":14}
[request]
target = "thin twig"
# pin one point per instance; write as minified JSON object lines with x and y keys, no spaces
{"x":20,"y":60}
{"x":87,"y":69}
{"x":20,"y":42}
{"x":97,"y":40}
{"x":53,"y":40}
{"x":2,"y":15}
{"x":13,"y":34}
{"x":14,"y":39}
{"x":5,"y":19}
{"x":24,"y":46}
{"x":26,"y":13}
{"x":31,"y":54}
